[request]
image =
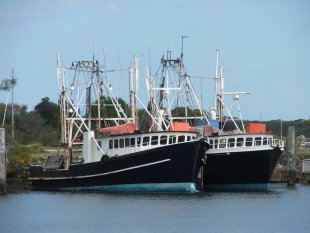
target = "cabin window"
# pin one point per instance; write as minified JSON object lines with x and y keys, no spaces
{"x":188,"y":138}
{"x":146,"y":141}
{"x":231,"y":142}
{"x":211,"y":144}
{"x":193,"y":138}
{"x":248,"y":141}
{"x":138,"y":141}
{"x":172,"y":139}
{"x":110,"y":144}
{"x":222,"y":143}
{"x":115,"y":143}
{"x":269,"y":141}
{"x":181,"y":138}
{"x":126,"y":142}
{"x":240,"y":142}
{"x":258,"y":141}
{"x":121,"y":143}
{"x":163,"y":139}
{"x":216,"y":141}
{"x":154,"y":140}
{"x":265,"y":141}
{"x":133,"y":142}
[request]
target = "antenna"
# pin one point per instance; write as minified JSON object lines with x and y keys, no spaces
{"x":93,"y":47}
{"x":104,"y":65}
{"x":260,"y":101}
{"x":150,"y":59}
{"x":182,"y":37}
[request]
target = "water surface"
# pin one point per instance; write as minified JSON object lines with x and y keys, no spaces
{"x":281,"y":209}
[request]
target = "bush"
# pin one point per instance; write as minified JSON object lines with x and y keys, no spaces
{"x":19,"y":156}
{"x":36,"y":149}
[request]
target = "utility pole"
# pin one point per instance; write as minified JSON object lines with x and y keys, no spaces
{"x":12,"y":104}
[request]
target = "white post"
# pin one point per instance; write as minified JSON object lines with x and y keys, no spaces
{"x":2,"y":162}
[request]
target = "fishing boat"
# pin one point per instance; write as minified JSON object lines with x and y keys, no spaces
{"x":108,"y":152}
{"x":241,"y":161}
{"x":240,"y":157}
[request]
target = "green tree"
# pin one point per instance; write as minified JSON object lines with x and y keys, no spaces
{"x":7,"y":84}
{"x":144,"y":120}
{"x":180,"y":112}
{"x":38,"y":132}
{"x":107,"y":108}
{"x":307,"y":122}
{"x":49,"y":111}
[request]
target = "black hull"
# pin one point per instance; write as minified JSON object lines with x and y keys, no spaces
{"x":247,"y":170}
{"x":173,"y":164}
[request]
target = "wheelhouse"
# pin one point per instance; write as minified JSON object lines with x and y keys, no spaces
{"x":243,"y":141}
{"x":123,"y":144}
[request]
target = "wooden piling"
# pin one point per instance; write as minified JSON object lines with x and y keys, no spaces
{"x":2,"y":162}
{"x":291,"y":156}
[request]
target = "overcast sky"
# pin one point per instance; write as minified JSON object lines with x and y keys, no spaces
{"x":264,"y":46}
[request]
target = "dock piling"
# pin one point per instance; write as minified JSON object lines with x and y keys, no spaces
{"x":291,"y":156}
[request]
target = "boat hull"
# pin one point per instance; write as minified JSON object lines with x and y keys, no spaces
{"x":241,"y":170}
{"x":307,"y":177}
{"x":168,"y":168}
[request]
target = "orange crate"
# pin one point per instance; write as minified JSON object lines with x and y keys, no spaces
{"x":179,"y":126}
{"x":255,"y":128}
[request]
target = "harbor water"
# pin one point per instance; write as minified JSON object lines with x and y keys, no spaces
{"x":281,"y":209}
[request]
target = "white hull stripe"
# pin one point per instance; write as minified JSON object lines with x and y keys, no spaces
{"x":103,"y":174}
{"x":135,"y":167}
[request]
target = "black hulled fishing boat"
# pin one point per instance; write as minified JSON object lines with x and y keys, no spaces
{"x":240,"y":157}
{"x":110,"y":153}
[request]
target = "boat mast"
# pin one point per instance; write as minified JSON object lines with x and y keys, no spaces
{"x":62,"y":102}
{"x":219,"y":101}
{"x":81,"y":100}
{"x":133,"y":85}
{"x":151,"y":107}
{"x":219,"y":88}
{"x":177,"y":98}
